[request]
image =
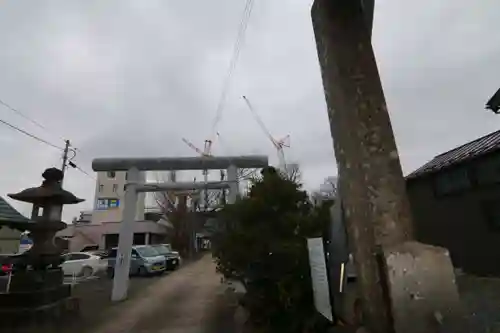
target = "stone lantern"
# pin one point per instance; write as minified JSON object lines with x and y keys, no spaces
{"x":36,"y":285}
{"x":48,"y":200}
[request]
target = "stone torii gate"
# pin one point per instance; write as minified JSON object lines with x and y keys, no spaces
{"x":405,"y":286}
{"x":134,"y":165}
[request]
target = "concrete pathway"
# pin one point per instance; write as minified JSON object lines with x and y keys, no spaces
{"x":189,"y":300}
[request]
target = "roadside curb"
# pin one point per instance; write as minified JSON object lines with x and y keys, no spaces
{"x":234,"y":291}
{"x":240,"y":319}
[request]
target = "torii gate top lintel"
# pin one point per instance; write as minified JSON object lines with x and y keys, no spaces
{"x":179,"y":163}
{"x":134,"y":165}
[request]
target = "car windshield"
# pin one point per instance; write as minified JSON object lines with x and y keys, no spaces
{"x":162,"y":249}
{"x":147,"y":251}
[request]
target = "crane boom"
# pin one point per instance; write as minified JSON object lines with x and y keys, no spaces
{"x":205,"y":153}
{"x":261,"y":123}
{"x":192,"y":146}
{"x":279,"y":145}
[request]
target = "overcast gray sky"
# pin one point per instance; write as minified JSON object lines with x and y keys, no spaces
{"x":132,"y":77}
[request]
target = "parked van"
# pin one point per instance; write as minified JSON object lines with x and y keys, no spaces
{"x":144,"y":261}
{"x":172,"y":257}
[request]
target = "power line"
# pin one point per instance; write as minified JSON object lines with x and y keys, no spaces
{"x":36,"y":123}
{"x":30,"y":135}
{"x":81,"y":170}
{"x":236,"y":52}
{"x":25,"y":116}
{"x":69,"y":161}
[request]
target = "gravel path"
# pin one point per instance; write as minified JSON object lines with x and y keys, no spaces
{"x":481,"y":297}
{"x":190,"y":300}
{"x":95,"y":306}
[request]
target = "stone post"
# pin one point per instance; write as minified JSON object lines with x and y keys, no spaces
{"x":371,"y":181}
{"x":402,"y":283}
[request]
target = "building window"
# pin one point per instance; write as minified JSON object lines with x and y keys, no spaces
{"x":115,"y":187}
{"x":111,"y":174}
{"x":492,"y":214}
{"x":101,"y":188}
{"x":452,"y":181}
{"x":139,"y":239}
{"x":488,"y":170}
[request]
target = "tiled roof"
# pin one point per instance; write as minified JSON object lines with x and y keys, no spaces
{"x":468,"y":151}
{"x":9,"y":214}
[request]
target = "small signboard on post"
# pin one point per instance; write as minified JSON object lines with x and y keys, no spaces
{"x":319,"y":277}
{"x":25,"y":243}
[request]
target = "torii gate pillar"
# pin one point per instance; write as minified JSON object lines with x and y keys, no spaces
{"x":232,"y":178}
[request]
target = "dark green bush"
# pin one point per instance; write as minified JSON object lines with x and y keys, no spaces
{"x":264,"y":246}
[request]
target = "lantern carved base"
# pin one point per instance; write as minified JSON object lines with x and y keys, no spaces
{"x":35,"y":297}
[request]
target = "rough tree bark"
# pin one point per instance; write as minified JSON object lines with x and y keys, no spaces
{"x":371,"y":181}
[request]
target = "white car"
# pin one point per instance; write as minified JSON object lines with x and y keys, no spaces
{"x":82,"y":264}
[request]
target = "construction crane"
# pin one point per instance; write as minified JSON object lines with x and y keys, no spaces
{"x":206,"y":152}
{"x":242,"y":175}
{"x":278,"y":144}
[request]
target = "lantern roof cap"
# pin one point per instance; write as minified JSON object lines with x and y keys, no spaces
{"x":50,"y":192}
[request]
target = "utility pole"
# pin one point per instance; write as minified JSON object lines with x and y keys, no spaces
{"x":65,"y":157}
{"x":64,"y":163}
{"x":371,"y":181}
{"x":205,"y":191}
{"x":223,"y":191}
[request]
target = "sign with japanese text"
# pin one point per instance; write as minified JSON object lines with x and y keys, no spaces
{"x":104,"y":204}
{"x":319,"y":277}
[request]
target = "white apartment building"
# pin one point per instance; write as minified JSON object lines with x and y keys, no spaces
{"x":109,"y":197}
{"x":100,"y":228}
